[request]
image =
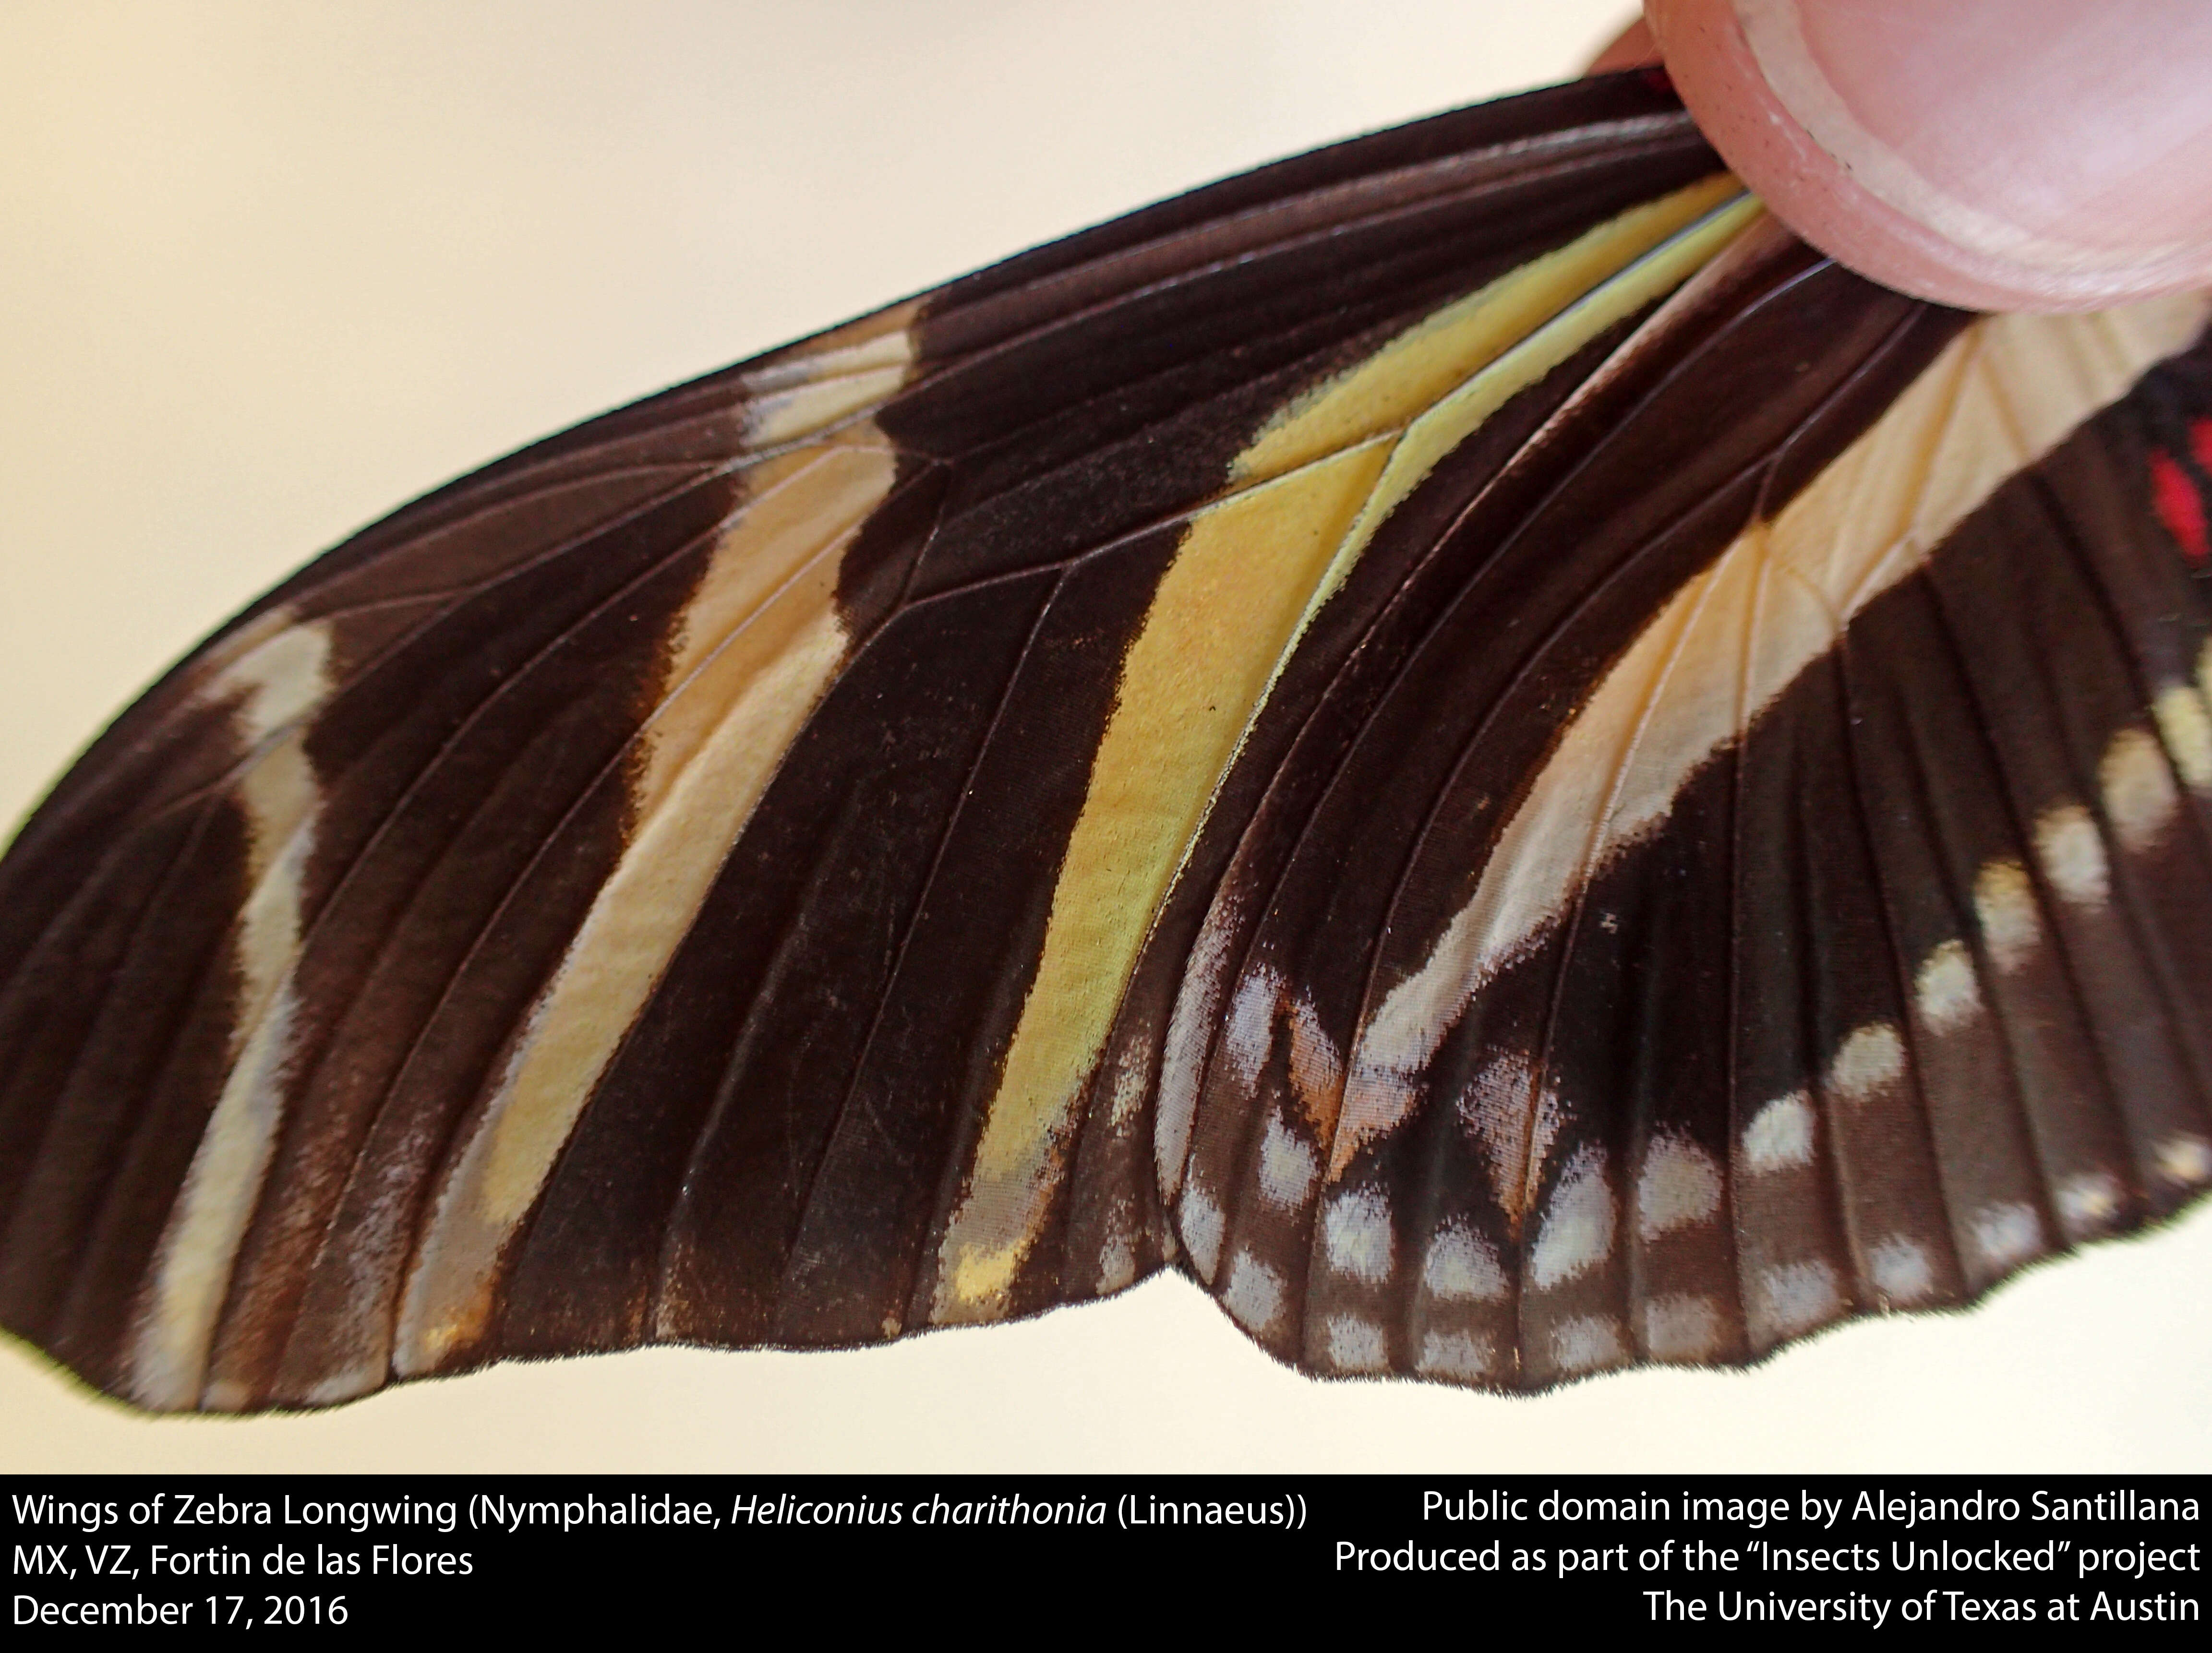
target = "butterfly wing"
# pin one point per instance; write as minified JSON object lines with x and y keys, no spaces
{"x":732,"y":874}
{"x":350,"y":951}
{"x":1766,"y":885}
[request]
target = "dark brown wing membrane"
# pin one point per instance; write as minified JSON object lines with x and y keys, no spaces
{"x":1728,"y":946}
{"x":298,"y":920}
{"x":940,"y":820}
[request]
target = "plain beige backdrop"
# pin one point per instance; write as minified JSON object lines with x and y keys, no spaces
{"x":267,"y":270}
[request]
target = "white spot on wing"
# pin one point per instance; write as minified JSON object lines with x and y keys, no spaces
{"x":2072,"y":853}
{"x":1183,"y":1056}
{"x":2005,"y":908}
{"x":1578,"y":1223}
{"x":1495,"y":1109}
{"x":1780,"y":1135}
{"x":1462,"y":1357}
{"x":1797,"y":1296}
{"x":2140,"y":798}
{"x":1253,"y":1294}
{"x":1202,"y":1229}
{"x":1356,"y":1345}
{"x":1128,"y":1092}
{"x":1681,"y":1328}
{"x":1588,"y":1343}
{"x":1679,"y":1185}
{"x":1945,"y":989}
{"x":2186,"y":1160}
{"x":1356,"y":1236}
{"x":1251,"y":1031}
{"x":2088,"y":1201}
{"x":1288,"y":1166}
{"x":1869,"y":1060}
{"x":1117,"y":1264}
{"x":2007,"y":1233}
{"x":1316,"y":1067}
{"x":1461,"y":1267}
{"x":2186,"y":727}
{"x":1901,"y":1271}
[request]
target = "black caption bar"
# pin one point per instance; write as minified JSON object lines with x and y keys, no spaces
{"x":240,"y":1554}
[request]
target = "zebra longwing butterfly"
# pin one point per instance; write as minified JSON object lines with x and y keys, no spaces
{"x":1576,"y":1166}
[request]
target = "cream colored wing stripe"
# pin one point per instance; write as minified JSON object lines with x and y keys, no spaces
{"x":2003,"y":394}
{"x":757,"y":646}
{"x":751,"y":654}
{"x":1251,"y":572}
{"x":276,"y":674}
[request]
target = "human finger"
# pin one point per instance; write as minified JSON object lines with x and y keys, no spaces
{"x":2042,"y":154}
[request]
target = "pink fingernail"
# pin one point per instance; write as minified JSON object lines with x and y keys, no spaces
{"x":2064,"y":136}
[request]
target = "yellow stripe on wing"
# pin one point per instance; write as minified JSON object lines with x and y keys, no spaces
{"x":1250,"y":573}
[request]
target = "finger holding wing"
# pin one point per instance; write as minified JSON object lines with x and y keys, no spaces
{"x":1131,"y":758}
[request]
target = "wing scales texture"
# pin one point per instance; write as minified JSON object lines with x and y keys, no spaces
{"x":1417,"y":732}
{"x":1813,"y":987}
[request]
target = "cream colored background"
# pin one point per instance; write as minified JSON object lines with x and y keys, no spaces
{"x":267,"y":270}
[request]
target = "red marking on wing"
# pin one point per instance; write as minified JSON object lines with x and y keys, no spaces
{"x":2200,"y":441}
{"x":2178,"y":505}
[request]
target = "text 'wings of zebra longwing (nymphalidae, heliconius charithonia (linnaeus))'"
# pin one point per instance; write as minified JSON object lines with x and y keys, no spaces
{"x":1456,"y":736}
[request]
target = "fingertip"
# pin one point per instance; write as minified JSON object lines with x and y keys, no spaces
{"x":1634,"y":48}
{"x":1959,"y":240}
